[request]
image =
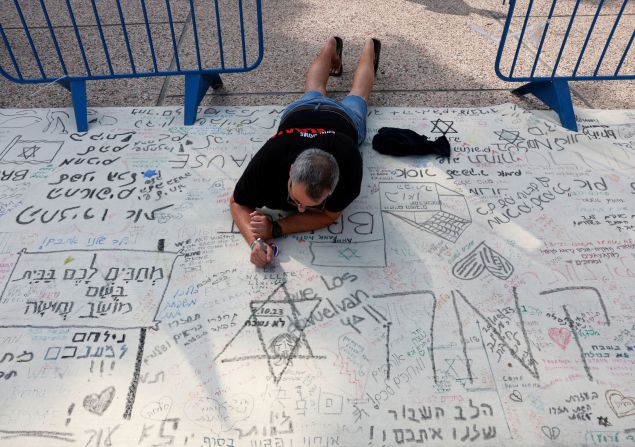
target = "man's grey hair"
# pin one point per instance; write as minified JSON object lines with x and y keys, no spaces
{"x":317,"y":170}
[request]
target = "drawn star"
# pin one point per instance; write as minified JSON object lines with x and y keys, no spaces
{"x":443,"y":127}
{"x":604,"y":421}
{"x":29,"y":151}
{"x":451,"y":372}
{"x":510,"y":136}
{"x":348,"y":254}
{"x":265,"y":335}
{"x":150,"y":173}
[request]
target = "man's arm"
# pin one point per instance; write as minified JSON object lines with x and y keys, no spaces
{"x":307,"y":221}
{"x":242,"y":216}
{"x":261,"y":226}
{"x":241,"y":213}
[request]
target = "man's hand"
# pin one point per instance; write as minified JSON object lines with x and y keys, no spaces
{"x":261,"y":254}
{"x":246,"y":219}
{"x":260,"y":225}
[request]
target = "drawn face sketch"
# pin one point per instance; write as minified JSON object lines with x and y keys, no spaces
{"x":626,"y":131}
{"x":282,"y":346}
{"x":242,"y":404}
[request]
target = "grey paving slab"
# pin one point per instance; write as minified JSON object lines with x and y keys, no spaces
{"x":607,"y":94}
{"x":414,"y":55}
{"x":428,"y":45}
{"x":414,"y":49}
{"x":135,"y":46}
{"x":95,"y":63}
{"x":35,"y":96}
{"x":462,"y":8}
{"x":83,"y":13}
{"x":567,"y":7}
{"x":122,"y":92}
{"x":538,"y":7}
{"x":389,"y":98}
{"x":577,"y":54}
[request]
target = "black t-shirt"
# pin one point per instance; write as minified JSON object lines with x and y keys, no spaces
{"x":264,"y":182}
{"x":323,"y":118}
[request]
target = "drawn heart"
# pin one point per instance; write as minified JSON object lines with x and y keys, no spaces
{"x":157,"y":410}
{"x":480,"y":259}
{"x":620,"y":404}
{"x":516,"y":396}
{"x":99,"y":403}
{"x":560,"y":336}
{"x":551,"y":432}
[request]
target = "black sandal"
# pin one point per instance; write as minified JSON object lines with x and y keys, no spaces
{"x":377,"y":48}
{"x":339,"y":45}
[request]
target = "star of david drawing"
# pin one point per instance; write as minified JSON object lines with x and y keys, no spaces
{"x":348,"y":254}
{"x":510,"y":136}
{"x":265,"y":334}
{"x":29,"y":151}
{"x":443,"y":127}
{"x":451,"y":372}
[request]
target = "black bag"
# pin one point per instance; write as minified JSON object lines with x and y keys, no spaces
{"x":401,"y":142}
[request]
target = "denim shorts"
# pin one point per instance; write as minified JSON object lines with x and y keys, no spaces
{"x":353,"y":106}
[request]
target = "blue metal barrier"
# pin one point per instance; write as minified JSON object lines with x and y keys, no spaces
{"x":47,"y":41}
{"x":577,"y":45}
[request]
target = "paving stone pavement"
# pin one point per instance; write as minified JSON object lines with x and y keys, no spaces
{"x":435,"y":53}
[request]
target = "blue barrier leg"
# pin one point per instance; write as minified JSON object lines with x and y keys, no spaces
{"x":556,"y":95}
{"x":78,"y":94}
{"x":195,"y":88}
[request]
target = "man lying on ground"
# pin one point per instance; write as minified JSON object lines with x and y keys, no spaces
{"x":312,"y":166}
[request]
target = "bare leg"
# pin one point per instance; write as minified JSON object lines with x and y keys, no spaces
{"x":364,"y":75}
{"x":321,"y":67}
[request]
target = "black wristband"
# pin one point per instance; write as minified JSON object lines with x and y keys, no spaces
{"x":276,"y":231}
